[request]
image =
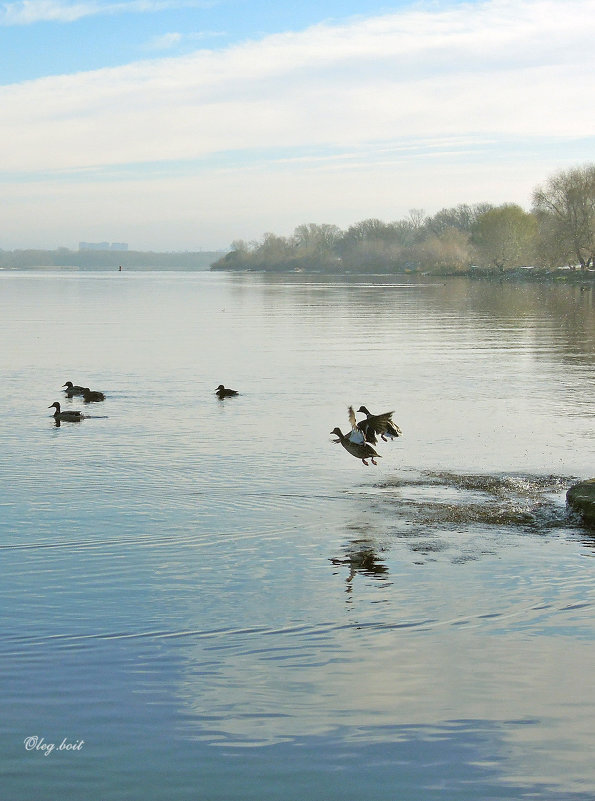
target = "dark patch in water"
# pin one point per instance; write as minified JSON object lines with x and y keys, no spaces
{"x":463,"y":517}
{"x":453,"y":499}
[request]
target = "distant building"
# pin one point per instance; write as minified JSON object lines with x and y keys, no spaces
{"x":103,"y":246}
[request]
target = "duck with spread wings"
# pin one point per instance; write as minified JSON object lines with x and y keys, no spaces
{"x":378,"y":424}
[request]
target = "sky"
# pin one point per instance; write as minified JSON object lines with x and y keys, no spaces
{"x":187,"y":124}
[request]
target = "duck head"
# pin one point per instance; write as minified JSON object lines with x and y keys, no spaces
{"x":363,"y":410}
{"x":55,"y":406}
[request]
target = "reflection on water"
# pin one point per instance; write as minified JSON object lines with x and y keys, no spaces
{"x":219,"y":601}
{"x":361,"y":556}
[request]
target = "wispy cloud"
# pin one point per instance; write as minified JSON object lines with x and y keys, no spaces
{"x":500,"y":67}
{"x":169,"y":41}
{"x":164,"y":42}
{"x":467,"y":75}
{"x":27,"y":12}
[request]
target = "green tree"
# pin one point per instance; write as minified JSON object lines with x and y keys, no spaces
{"x":505,"y":237}
{"x":566,"y":205}
{"x":552,"y":251}
{"x":239,"y":257}
{"x":275,"y":253}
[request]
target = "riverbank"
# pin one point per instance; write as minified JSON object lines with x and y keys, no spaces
{"x":533,"y":274}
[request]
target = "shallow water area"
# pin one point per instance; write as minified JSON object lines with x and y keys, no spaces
{"x":220,"y":603}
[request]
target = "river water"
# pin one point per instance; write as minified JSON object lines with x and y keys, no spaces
{"x":211,"y":600}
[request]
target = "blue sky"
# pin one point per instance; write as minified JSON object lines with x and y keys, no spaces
{"x":182,"y":125}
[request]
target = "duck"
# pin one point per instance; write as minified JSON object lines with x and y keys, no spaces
{"x":92,"y":396}
{"x":379,"y":424}
{"x":356,"y":435}
{"x":71,"y":415}
{"x":368,"y":432}
{"x":223,"y":392}
{"x":361,"y":431}
{"x":72,"y":389}
{"x":361,"y":450}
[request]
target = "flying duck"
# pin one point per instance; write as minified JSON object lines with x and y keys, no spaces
{"x":222,"y":392}
{"x":356,"y":435}
{"x":71,"y":415}
{"x":92,"y":396}
{"x":379,"y":424}
{"x":361,"y":450}
{"x":361,"y":431}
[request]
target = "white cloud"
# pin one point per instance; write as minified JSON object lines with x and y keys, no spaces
{"x":165,"y":42}
{"x":503,"y":70}
{"x":170,"y":40}
{"x":27,"y":12}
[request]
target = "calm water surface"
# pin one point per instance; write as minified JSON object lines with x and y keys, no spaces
{"x":213,"y":601}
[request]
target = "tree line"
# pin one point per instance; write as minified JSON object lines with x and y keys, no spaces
{"x":558,"y":232}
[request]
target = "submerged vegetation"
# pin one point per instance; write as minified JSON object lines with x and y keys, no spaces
{"x":558,"y":232}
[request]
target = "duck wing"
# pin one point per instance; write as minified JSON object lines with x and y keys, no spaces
{"x":392,"y":430}
{"x":356,"y":435}
{"x":379,"y":422}
{"x":368,"y":431}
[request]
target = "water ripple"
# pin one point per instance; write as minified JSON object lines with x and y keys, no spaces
{"x":231,"y":637}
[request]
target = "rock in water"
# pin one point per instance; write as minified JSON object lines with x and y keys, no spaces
{"x":581,"y":497}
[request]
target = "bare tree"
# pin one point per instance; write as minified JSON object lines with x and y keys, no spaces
{"x":567,"y":201}
{"x":417,"y":219}
{"x":317,"y":239}
{"x":463,"y":217}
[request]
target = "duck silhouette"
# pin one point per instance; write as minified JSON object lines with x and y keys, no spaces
{"x":361,"y":450}
{"x":381,"y":424}
{"x":72,"y":389}
{"x":71,"y":415}
{"x":223,"y":392}
{"x":92,"y":396}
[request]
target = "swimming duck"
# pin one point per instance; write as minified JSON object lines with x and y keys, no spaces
{"x":361,"y":451}
{"x":72,"y":389}
{"x":222,"y":392}
{"x":92,"y":396}
{"x":380,"y":424}
{"x":71,"y":415}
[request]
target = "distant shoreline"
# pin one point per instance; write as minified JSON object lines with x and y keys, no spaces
{"x":63,"y":258}
{"x":584,"y":278}
{"x":532,"y":274}
{"x":210,"y":261}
